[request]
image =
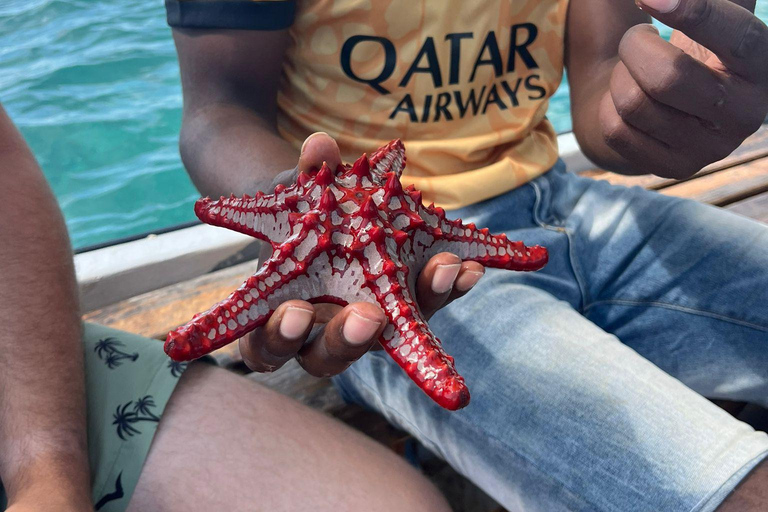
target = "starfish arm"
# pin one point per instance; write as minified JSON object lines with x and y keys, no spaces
{"x":261,"y":217}
{"x":409,"y":341}
{"x":386,"y":159}
{"x":495,"y":251}
{"x":223,"y":323}
{"x":431,"y":233}
{"x":281,"y":278}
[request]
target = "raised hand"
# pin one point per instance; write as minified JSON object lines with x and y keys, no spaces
{"x":678,"y":106}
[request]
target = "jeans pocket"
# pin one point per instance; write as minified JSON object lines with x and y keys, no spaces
{"x":557,"y":193}
{"x":543,"y":213}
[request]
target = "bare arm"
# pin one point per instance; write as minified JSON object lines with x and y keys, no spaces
{"x":43,"y":456}
{"x":229,"y":140}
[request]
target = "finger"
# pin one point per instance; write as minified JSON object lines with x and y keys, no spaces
{"x":345,"y":339}
{"x":435,"y":283}
{"x":318,"y":148}
{"x":730,"y":31}
{"x":671,"y":126}
{"x":672,"y":77}
{"x":636,"y":146}
{"x":271,"y":346}
{"x":470,"y":274}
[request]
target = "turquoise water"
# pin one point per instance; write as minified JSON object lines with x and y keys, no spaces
{"x":94,"y":87}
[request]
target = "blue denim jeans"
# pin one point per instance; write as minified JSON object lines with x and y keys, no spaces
{"x":588,"y":378}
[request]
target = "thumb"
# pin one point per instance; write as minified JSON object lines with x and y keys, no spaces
{"x":318,"y":148}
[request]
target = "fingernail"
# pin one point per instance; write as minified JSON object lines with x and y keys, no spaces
{"x":310,"y":138}
{"x":295,"y":322}
{"x":358,"y":329}
{"x":662,"y":6}
{"x":444,"y":277}
{"x":468,"y":279}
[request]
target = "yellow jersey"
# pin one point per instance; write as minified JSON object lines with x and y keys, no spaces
{"x":464,"y":84}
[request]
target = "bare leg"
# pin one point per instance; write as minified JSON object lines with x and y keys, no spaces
{"x":225,"y":443}
{"x":751,"y":495}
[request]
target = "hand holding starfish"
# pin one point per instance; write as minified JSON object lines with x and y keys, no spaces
{"x":343,"y":334}
{"x":347,"y":236}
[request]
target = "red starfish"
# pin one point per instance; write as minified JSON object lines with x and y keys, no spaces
{"x":344,"y":237}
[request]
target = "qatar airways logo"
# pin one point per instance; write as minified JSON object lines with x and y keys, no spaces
{"x":518,"y":82}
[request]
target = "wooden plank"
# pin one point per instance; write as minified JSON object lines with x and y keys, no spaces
{"x":754,"y":207}
{"x":648,"y":181}
{"x":155,"y":313}
{"x":753,"y":148}
{"x":118,"y":272}
{"x":725,"y":187}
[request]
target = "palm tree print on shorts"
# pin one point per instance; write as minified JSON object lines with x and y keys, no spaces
{"x":177,"y":368}
{"x":128,"y":415}
{"x":108,"y":351}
